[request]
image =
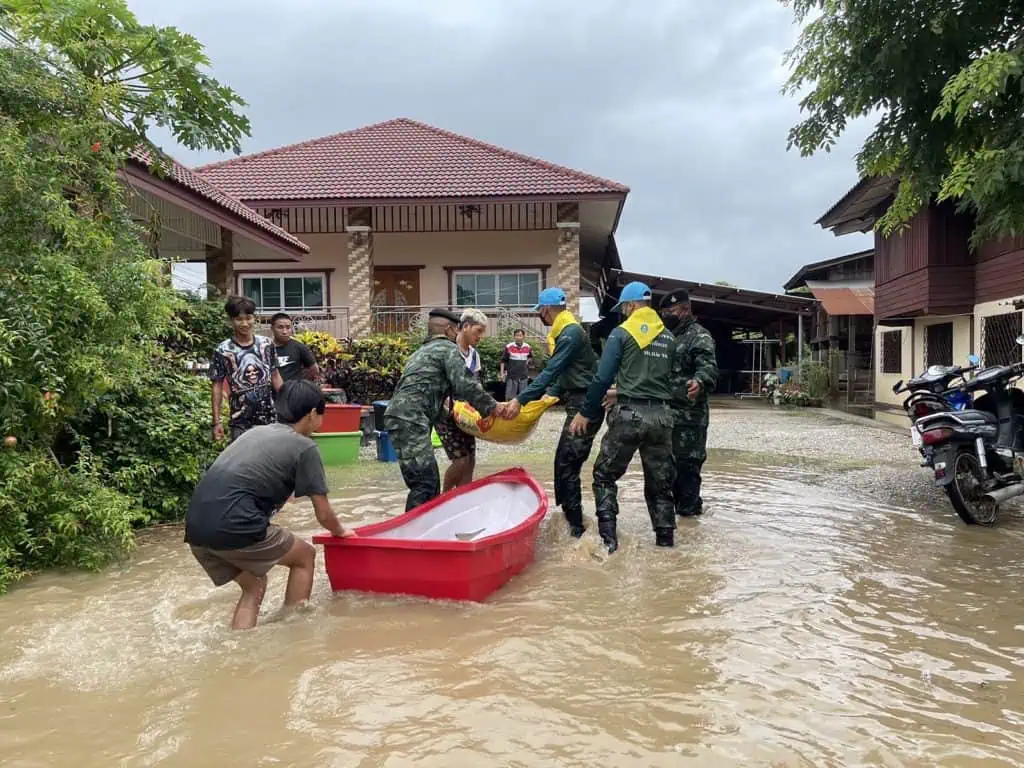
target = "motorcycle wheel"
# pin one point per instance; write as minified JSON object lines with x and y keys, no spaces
{"x":965,"y":492}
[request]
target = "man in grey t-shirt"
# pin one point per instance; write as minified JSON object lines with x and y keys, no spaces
{"x":228,"y":521}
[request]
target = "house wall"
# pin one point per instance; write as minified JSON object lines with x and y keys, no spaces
{"x":999,"y":270}
{"x":884,"y":381}
{"x":995,"y":307}
{"x":432,"y":251}
{"x":927,"y":268}
{"x":963,"y":339}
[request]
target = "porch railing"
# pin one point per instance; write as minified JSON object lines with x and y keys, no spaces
{"x":332,"y":320}
{"x":391,"y":319}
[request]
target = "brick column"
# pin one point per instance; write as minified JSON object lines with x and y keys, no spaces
{"x":360,"y":281}
{"x":567,"y":265}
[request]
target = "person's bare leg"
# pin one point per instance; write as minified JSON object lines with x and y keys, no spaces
{"x":300,"y":561}
{"x":467,"y":470}
{"x":452,"y":475}
{"x":459,"y":472}
{"x":248,"y":608}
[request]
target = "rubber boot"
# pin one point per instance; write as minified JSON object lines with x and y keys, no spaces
{"x":574,"y":517}
{"x":608,"y":534}
{"x":664,"y":537}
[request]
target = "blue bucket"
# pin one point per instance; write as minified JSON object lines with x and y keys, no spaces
{"x":785,"y":374}
{"x":385,"y":450}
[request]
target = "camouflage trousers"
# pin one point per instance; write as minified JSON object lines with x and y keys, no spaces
{"x":415,"y":460}
{"x":570,"y":456}
{"x":689,"y":449}
{"x":632,"y":427}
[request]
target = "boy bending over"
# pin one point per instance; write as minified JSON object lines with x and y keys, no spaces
{"x":228,"y":522}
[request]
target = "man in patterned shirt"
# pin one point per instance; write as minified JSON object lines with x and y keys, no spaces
{"x":245,"y":370}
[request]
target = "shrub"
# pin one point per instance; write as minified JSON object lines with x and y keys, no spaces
{"x":198,"y":326}
{"x":367,"y":369}
{"x":815,"y":379}
{"x":151,"y":435}
{"x":54,"y":516}
{"x":794,"y":394}
{"x":83,"y":287}
{"x":321,"y":344}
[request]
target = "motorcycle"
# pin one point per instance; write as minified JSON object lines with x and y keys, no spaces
{"x":978,"y":453}
{"x":930,"y":393}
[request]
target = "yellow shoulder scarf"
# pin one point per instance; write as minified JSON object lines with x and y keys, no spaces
{"x":644,"y":326}
{"x":564,"y":320}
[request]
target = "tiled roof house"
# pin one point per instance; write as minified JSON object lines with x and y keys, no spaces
{"x":401,"y":216}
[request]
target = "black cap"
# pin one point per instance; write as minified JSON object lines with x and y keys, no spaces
{"x":680,"y":296}
{"x":447,"y":314}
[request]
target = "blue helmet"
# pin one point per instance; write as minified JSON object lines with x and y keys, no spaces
{"x":635,"y":291}
{"x":550,"y":297}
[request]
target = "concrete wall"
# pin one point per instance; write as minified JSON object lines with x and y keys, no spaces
{"x":884,"y":381}
{"x":433,"y":251}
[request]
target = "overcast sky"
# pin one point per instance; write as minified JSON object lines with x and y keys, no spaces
{"x":678,"y":100}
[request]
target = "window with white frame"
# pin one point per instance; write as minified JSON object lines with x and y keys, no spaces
{"x":507,"y":288}
{"x":275,"y":292}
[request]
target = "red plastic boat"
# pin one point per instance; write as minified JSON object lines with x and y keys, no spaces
{"x":462,"y":545}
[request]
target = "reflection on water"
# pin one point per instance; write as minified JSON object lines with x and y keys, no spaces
{"x":793,"y":625}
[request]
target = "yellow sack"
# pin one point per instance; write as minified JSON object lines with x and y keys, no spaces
{"x":496,"y":429}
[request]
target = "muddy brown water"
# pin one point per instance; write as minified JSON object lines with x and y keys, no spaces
{"x":793,"y":625}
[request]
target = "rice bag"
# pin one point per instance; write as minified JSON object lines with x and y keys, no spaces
{"x":497,"y":430}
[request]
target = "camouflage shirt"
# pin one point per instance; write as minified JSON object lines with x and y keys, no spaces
{"x":433,"y":373}
{"x":694,"y":359}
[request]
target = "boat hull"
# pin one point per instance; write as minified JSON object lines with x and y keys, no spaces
{"x":462,"y":545}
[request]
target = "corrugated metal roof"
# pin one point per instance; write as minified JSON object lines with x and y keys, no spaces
{"x":844,"y":299}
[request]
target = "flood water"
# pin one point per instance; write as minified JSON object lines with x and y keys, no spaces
{"x":795,"y":624}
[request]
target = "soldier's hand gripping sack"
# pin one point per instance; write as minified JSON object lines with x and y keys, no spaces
{"x":498,"y":430}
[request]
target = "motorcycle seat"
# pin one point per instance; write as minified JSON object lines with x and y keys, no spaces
{"x":973,"y":416}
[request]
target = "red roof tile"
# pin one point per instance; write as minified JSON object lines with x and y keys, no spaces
{"x":397,"y":159}
{"x":206,"y":189}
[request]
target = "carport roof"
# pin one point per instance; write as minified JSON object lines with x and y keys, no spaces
{"x":737,"y":306}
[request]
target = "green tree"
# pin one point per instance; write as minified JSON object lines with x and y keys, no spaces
{"x":91,"y":396}
{"x":944,"y":78}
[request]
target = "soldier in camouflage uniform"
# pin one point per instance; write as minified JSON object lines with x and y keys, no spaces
{"x":570,"y":369}
{"x":433,"y":373}
{"x":694,"y":377}
{"x":638,"y":355}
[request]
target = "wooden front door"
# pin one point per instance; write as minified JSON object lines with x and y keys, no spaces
{"x":396,"y":298}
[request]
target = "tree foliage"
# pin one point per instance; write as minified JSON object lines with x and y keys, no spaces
{"x":136,"y":75}
{"x":944,"y":78}
{"x":107,"y":424}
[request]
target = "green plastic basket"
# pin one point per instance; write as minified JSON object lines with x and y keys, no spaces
{"x":338,"y":448}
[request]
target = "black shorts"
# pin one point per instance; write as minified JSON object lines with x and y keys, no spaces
{"x":456,"y":443}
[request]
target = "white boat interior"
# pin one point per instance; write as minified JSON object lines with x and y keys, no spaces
{"x":485,"y":511}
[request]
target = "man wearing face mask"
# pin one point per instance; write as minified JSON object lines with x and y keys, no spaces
{"x":567,"y":374}
{"x":694,"y":377}
{"x":433,"y":373}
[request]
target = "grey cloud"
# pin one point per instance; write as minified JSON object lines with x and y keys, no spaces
{"x":678,"y":100}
